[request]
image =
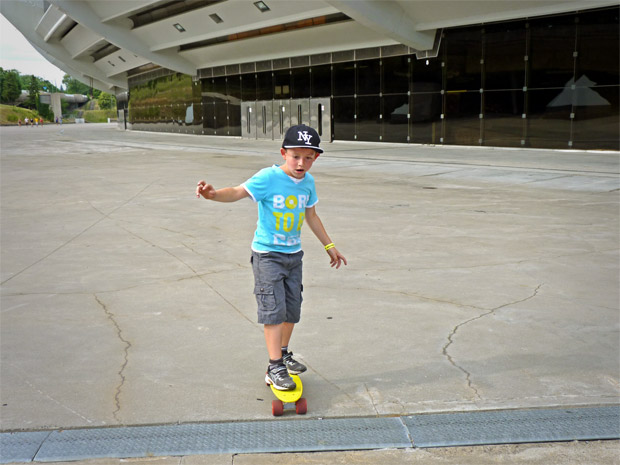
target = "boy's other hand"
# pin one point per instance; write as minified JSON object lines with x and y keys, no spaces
{"x":336,"y":258}
{"x":206,"y":190}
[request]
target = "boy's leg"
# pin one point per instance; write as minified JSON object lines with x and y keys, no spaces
{"x":276,"y":349}
{"x":273,"y":338}
{"x":270,"y":272}
{"x":293,"y":366}
{"x":276,"y":337}
{"x":277,"y":373}
{"x":287,"y":331}
{"x":293,"y":287}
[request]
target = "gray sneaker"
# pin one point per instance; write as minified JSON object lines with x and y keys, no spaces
{"x":292,"y":365}
{"x":279,"y":378}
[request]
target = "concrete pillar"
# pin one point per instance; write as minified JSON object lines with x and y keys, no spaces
{"x":56,"y":106}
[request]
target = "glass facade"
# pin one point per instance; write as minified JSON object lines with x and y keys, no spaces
{"x":549,"y":82}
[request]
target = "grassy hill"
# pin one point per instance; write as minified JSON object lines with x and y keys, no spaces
{"x":10,"y":114}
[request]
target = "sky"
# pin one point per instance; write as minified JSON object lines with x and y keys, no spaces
{"x":17,"y":53}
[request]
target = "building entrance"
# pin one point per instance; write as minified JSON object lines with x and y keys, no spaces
{"x":269,"y":119}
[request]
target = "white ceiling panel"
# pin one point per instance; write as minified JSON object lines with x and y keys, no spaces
{"x":237,"y":16}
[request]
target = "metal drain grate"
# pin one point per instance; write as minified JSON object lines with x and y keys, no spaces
{"x":514,"y":426}
{"x":21,"y":447}
{"x":216,"y":438}
{"x":426,"y":430}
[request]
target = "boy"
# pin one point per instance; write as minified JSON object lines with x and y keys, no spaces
{"x":286,"y":199}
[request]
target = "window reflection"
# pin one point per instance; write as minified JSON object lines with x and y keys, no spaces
{"x":209,"y":118}
{"x":344,"y":79}
{"x":233,"y":87}
{"x":462,"y":118}
{"x":504,"y":56}
{"x":427,"y":74}
{"x":546,"y":126}
{"x":598,"y":46}
{"x":321,"y":81}
{"x":396,"y":75}
{"x":368,"y":74}
{"x":344,"y":118}
{"x":503,"y":118}
{"x":426,"y":122}
{"x":396,"y":118}
{"x":551,"y":47}
{"x":300,"y":83}
{"x":219,"y":87}
{"x":264,"y":86}
{"x":168,"y":103}
{"x":282,"y":84}
{"x":248,"y":87}
{"x":597,"y":125}
{"x":368,"y":122}
{"x":221,"y":118}
{"x":579,"y":94}
{"x":463,"y":51}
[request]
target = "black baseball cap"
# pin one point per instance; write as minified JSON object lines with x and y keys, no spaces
{"x":302,"y":136}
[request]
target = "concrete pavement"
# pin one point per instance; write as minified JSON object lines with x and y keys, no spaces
{"x":478,"y":278}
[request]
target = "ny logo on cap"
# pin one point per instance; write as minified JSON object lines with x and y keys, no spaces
{"x":305,"y":136}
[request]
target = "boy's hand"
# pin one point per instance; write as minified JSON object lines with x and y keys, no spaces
{"x":206,"y":190}
{"x":336,"y":258}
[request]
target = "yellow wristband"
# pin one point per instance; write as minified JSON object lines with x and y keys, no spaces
{"x":329,"y":246}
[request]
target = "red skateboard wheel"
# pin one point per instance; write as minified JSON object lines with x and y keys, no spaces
{"x":301,"y":406}
{"x":277,"y":408}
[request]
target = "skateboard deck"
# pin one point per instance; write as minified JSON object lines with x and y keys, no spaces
{"x":289,"y":398}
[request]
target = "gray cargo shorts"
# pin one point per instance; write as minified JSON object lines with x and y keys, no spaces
{"x":277,"y":286}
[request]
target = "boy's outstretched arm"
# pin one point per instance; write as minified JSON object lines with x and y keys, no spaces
{"x":313,"y":220}
{"x":226,"y":194}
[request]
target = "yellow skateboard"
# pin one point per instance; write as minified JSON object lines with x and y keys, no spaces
{"x":288,"y":398}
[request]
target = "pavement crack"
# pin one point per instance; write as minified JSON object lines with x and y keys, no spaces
{"x":446,"y":347}
{"x":196,"y":274}
{"x":372,"y":400}
{"x":24,"y":377}
{"x":121,"y":372}
{"x":69,"y":241}
{"x":334,"y":385}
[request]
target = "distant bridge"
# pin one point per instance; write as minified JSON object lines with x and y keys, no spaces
{"x":54,"y":98}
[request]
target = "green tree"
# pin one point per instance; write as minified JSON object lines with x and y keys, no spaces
{"x":47,"y":86}
{"x":73,"y":86}
{"x":106,"y":101}
{"x":33,"y":93}
{"x":64,"y":107}
{"x":11,"y":87}
{"x":44,"y":84}
{"x":45,"y":111}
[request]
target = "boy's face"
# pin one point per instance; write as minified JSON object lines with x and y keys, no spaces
{"x":297,"y":161}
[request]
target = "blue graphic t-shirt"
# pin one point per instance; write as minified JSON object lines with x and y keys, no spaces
{"x":282,"y":203}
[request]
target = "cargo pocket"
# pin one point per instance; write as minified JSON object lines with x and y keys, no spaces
{"x":265,"y":298}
